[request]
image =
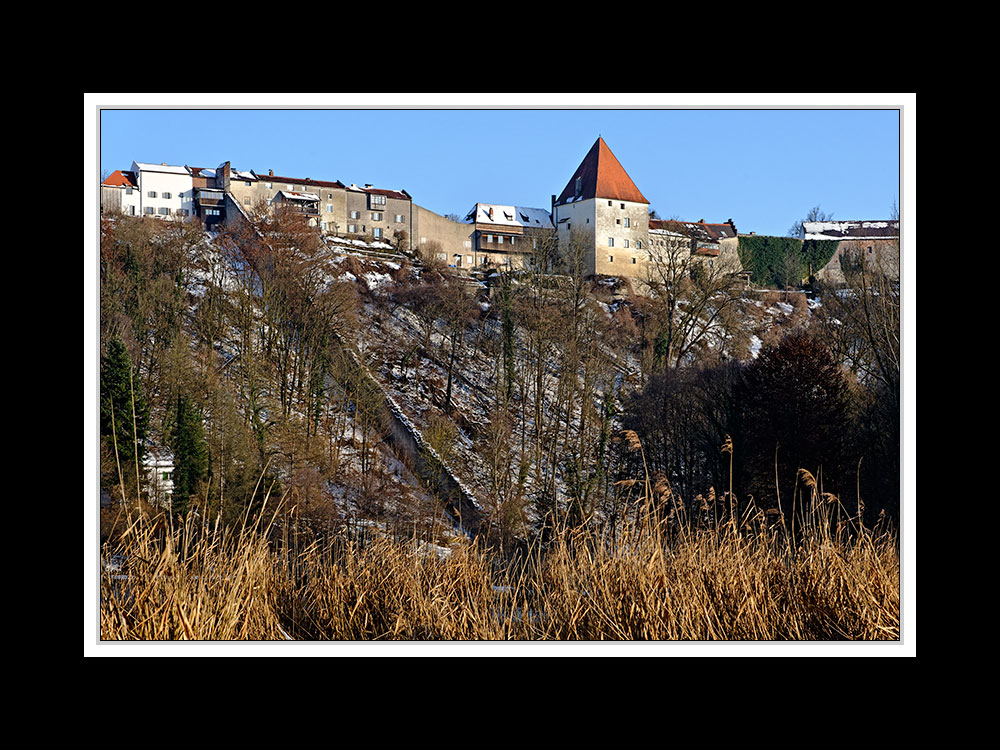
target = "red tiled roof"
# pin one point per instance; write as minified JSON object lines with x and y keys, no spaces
{"x":601,"y":176}
{"x":118,"y":178}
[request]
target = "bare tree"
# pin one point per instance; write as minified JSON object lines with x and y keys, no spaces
{"x":815,"y":214}
{"x":694,"y":294}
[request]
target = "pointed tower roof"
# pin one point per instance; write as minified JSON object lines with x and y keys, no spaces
{"x":600,"y":175}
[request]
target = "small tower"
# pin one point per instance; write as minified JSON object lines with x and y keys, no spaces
{"x":603,"y":209}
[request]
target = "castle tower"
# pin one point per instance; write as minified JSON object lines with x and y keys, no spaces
{"x":603,"y":212}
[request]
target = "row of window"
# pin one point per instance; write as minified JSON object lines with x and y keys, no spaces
{"x":638,"y":243}
{"x":150,"y":211}
{"x":376,"y":215}
{"x":377,"y":232}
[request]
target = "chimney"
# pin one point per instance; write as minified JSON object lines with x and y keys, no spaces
{"x":367,"y":185}
{"x":222,"y":176}
{"x":270,"y":173}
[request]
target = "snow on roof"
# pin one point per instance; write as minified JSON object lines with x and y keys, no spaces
{"x":236,"y":174}
{"x":852,"y":230}
{"x":167,"y":168}
{"x":298,"y":196}
{"x":514,"y":216}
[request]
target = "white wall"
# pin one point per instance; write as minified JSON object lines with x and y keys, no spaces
{"x":179,"y":186}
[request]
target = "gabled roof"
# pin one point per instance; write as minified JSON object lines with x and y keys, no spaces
{"x":600,"y":176}
{"x":850,"y":230}
{"x":698,"y":230}
{"x":513,"y":216}
{"x":118,"y":178}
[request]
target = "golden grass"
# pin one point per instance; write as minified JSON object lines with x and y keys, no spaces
{"x":656,"y":581}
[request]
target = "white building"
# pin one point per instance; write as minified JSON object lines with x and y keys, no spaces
{"x":165,"y":191}
{"x":159,"y":466}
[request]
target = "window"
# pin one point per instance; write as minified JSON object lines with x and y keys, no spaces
{"x":376,"y":216}
{"x":352,"y":227}
{"x":270,"y":186}
{"x":626,"y":243}
{"x":611,"y":259}
{"x":377,"y":232}
{"x":212,"y":212}
{"x":579,"y":187}
{"x":247,"y":183}
{"x":500,"y":239}
{"x":468,"y":260}
{"x":151,"y":194}
{"x":164,"y":212}
{"x":355,"y":214}
{"x":167,"y":195}
{"x":623,"y":205}
{"x":148,"y":210}
{"x":131,"y":210}
{"x":377,"y":200}
{"x":467,"y":243}
{"x":246,"y":201}
{"x":628,"y":222}
{"x":638,"y":244}
{"x":399,"y":218}
{"x":618,"y":221}
{"x":611,"y":241}
{"x":322,"y":225}
{"x":128,"y":191}
{"x":489,"y":238}
{"x":609,"y":203}
{"x":633,"y":261}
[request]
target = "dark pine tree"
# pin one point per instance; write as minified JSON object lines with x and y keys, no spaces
{"x":187,"y":441}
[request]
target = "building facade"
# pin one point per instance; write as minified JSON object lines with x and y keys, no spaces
{"x":165,"y":191}
{"x":600,"y":220}
{"x":877,"y":242}
{"x":507,"y":236}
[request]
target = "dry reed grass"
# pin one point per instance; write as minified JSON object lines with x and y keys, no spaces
{"x":657,"y":581}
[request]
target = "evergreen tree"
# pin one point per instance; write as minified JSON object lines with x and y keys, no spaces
{"x":187,"y":441}
{"x":121,"y":398}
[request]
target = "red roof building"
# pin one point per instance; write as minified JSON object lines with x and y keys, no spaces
{"x":600,"y":175}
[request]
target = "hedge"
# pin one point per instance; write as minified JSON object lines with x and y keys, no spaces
{"x":764,"y":257}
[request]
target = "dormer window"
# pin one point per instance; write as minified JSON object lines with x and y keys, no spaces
{"x":578,"y":189}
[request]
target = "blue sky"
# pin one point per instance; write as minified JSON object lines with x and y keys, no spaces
{"x":764,"y":168}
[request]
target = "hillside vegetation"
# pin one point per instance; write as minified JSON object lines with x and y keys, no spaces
{"x":692,"y":460}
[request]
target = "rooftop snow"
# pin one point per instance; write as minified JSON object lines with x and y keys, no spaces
{"x":514,"y":216}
